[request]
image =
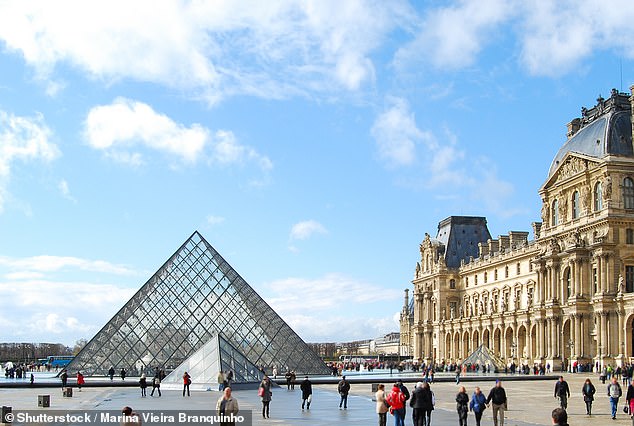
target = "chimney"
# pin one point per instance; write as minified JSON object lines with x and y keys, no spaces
{"x":505,"y":242}
{"x":494,"y":246}
{"x":483,"y":249}
{"x":573,"y":127}
{"x":406,"y":300}
{"x":518,"y":238}
{"x":537,"y":229}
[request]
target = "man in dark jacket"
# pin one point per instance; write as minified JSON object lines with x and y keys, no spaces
{"x":307,"y":390}
{"x":497,"y":396}
{"x":343,"y":388}
{"x":562,"y":391}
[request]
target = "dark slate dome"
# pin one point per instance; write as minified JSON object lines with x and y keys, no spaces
{"x":604,"y":130}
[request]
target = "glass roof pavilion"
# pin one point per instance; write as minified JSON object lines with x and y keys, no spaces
{"x":192,"y":298}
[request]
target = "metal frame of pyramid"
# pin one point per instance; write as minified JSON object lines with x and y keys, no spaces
{"x":195,"y":295}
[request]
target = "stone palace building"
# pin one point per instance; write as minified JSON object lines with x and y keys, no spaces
{"x":568,"y":294}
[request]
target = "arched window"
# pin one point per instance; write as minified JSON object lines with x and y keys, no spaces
{"x":567,"y":283}
{"x":628,"y":193}
{"x":506,"y":272}
{"x":575,"y":205}
{"x":554,"y":219}
{"x":598,"y":196}
{"x":486,"y":276}
{"x":452,"y":284}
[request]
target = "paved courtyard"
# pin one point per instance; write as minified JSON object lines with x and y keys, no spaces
{"x":530,"y":403}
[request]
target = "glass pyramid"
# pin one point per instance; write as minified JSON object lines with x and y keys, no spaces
{"x":193,"y":297}
{"x":214,"y":356}
{"x":484,"y":356}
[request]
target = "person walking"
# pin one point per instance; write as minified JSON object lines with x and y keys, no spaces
{"x":264,"y":392}
{"x":80,"y":380}
{"x":462,"y":406}
{"x":287,"y":376}
{"x":381,"y":404}
{"x":64,"y":377}
{"x":187,"y":380}
{"x":221,"y":381}
{"x":418,"y":405}
{"x":588,"y":392}
{"x":156,"y":385}
{"x":478,"y":404}
{"x":226,"y":407}
{"x":562,"y":391}
{"x":629,"y":397}
{"x":428,"y":404}
{"x":143,"y":385}
{"x":396,"y":400}
{"x":307,"y":392}
{"x":122,"y":374}
{"x":111,"y":373}
{"x":560,"y":417}
{"x":614,"y":393}
{"x":497,"y":398}
{"x":343,"y":388}
{"x":293,"y":378}
{"x":457,"y":375}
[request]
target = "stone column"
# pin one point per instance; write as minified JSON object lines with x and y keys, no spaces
{"x":577,"y":335}
{"x":599,"y":274}
{"x":539,"y":324}
{"x":604,"y":333}
{"x":600,"y":348}
{"x":621,"y":331}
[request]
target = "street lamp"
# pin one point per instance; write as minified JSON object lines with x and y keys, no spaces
{"x":570,"y":345}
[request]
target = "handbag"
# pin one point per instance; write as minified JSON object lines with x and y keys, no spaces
{"x":260,"y":391}
{"x":626,"y":409}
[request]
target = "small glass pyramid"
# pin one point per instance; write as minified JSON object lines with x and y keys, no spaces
{"x":213,"y":357}
{"x":192,"y":298}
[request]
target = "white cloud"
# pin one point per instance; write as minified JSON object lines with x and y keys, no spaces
{"x":67,"y":309}
{"x":401,"y":143}
{"x":452,"y":36}
{"x":22,"y":139}
{"x":65,"y":190}
{"x":215,"y":220}
{"x":118,"y":127}
{"x":310,"y":306}
{"x":211,"y":48}
{"x":123,"y":128}
{"x":227,"y":151}
{"x":306,"y":229}
{"x":557,"y":36}
{"x":48,"y":263}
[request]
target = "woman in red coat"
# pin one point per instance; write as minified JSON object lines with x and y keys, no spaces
{"x":396,"y":399}
{"x":80,"y":380}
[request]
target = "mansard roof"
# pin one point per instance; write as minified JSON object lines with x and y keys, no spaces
{"x":460,"y":236}
{"x":605,"y":129}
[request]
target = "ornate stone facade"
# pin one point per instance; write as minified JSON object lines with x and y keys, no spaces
{"x":565,"y":296}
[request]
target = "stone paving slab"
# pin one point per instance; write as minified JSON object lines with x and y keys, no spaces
{"x":530,"y":403}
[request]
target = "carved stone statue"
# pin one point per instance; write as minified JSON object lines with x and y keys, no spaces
{"x":607,"y":188}
{"x":452,"y":312}
{"x":481,"y":309}
{"x":529,"y":300}
{"x":461,"y":311}
{"x":491,"y":306}
{"x":585,"y":199}
{"x":503,"y":304}
{"x":545,"y":212}
{"x":443,"y":315}
{"x":563,"y":209}
{"x":621,"y":284}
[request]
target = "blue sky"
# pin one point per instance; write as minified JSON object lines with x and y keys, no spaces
{"x":312,"y":143}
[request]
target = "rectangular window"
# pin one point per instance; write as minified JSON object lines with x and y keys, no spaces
{"x":629,"y":236}
{"x":629,"y":279}
{"x":452,"y":284}
{"x":595,"y":280}
{"x":495,"y":275}
{"x":518,"y":268}
{"x":475,"y":279}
